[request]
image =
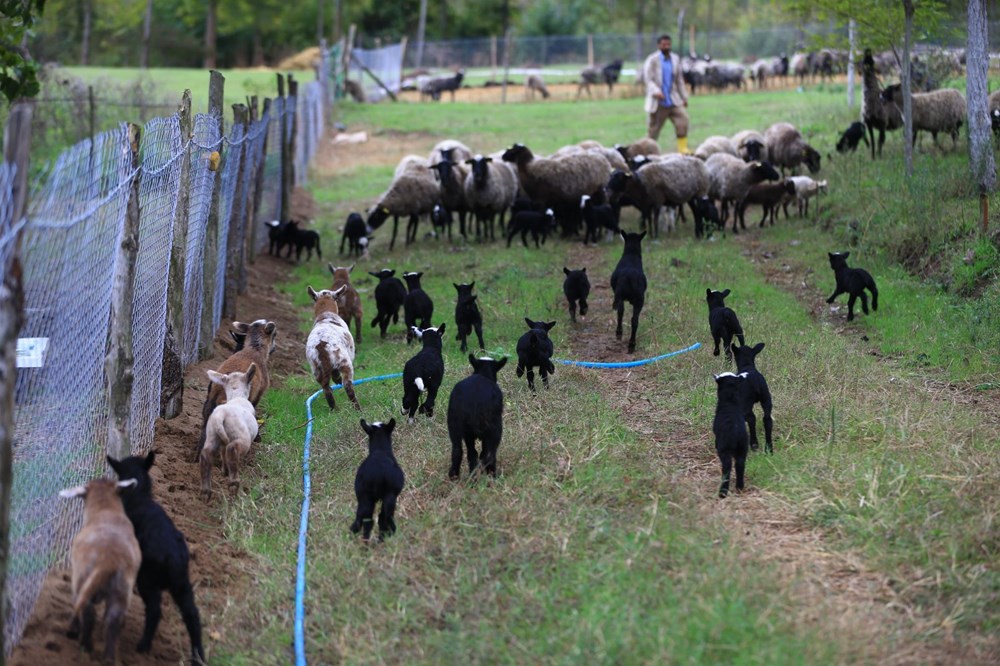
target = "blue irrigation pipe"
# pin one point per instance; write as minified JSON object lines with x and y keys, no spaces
{"x":627,"y":364}
{"x":300,"y":579}
{"x":300,"y":575}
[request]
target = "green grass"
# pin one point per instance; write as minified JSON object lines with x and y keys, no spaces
{"x":591,"y":547}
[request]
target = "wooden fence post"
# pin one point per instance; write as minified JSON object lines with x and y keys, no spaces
{"x":253,"y":202}
{"x":17,"y":146}
{"x":293,"y":115}
{"x":286,"y":193}
{"x":119,"y":371}
{"x":216,"y":90}
{"x":172,"y":378}
{"x":235,"y":236}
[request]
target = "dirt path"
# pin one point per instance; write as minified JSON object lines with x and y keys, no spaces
{"x":835,"y":592}
{"x":221,"y":573}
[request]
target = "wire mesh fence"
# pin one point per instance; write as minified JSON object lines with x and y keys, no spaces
{"x":71,"y":250}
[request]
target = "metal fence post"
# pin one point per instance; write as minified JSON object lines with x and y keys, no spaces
{"x":119,"y":373}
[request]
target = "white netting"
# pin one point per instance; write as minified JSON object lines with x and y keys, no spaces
{"x":309,"y":128}
{"x":7,"y":230}
{"x":202,"y":184}
{"x":161,"y":157}
{"x":270,"y":203}
{"x":68,"y":250}
{"x":227,"y":203}
{"x":386,"y":63}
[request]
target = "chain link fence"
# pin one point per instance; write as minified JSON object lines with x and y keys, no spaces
{"x":71,"y":251}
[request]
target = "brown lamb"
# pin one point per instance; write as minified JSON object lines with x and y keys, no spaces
{"x":349,"y":301}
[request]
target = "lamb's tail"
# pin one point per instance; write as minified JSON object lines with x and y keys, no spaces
{"x":872,"y":288}
{"x":419,"y":383}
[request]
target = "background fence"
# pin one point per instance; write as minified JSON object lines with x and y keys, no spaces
{"x":185,"y":184}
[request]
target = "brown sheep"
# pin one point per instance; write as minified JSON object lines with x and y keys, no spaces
{"x":105,"y":559}
{"x":349,"y":301}
{"x":258,"y":345}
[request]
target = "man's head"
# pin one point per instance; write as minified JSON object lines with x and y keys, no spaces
{"x":664,"y":43}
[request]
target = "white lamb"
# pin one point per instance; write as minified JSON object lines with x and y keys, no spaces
{"x":232,"y":426}
{"x":805,"y":189}
{"x":330,"y":347}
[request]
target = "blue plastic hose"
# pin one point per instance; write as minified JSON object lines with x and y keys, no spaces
{"x":627,"y":364}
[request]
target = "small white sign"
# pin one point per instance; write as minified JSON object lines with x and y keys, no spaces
{"x":31,"y":352}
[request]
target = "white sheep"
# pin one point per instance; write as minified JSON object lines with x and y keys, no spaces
{"x":232,"y":427}
{"x":330,"y":346}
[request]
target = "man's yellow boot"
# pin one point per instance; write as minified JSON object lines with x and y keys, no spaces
{"x":682,"y":145}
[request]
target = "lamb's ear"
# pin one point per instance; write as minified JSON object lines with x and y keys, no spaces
{"x":708,"y":292}
{"x":350,"y":268}
{"x":642,"y":235}
{"x":583,"y":270}
{"x":374,"y":274}
{"x":846,"y":255}
{"x":622,"y":233}
{"x":441,"y":329}
{"x":240,"y":327}
{"x":127,"y":484}
{"x":565,"y":270}
{"x":270,"y":327}
{"x":457,"y":288}
{"x":216,"y":377}
{"x":474,"y":362}
{"x":487,"y":159}
{"x":472,"y":285}
{"x":548,"y":326}
{"x":758,"y":348}
{"x":831,"y":254}
{"x":338,"y":292}
{"x":390,"y":426}
{"x":530,"y":323}
{"x":502,"y":362}
{"x":726,"y":293}
{"x":312,"y":293}
{"x":332,"y":268}
{"x":75,"y":491}
{"x":367,"y":428}
{"x":148,"y":462}
{"x":114,"y":464}
{"x":251,"y":371}
{"x":473,"y":297}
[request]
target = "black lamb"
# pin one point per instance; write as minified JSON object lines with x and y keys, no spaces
{"x":723,"y":322}
{"x":730,"y":428}
{"x":389,"y":296}
{"x":467,"y":315}
{"x":755,"y":390}
{"x":423,"y":373}
{"x":628,"y":282}
{"x":416,"y":306}
{"x":301,"y":239}
{"x":852,"y":281}
{"x":475,"y":411}
{"x":441,"y":220}
{"x":596,"y":217}
{"x":379,"y":479}
{"x":539,"y":224}
{"x":534,"y":350}
{"x":576,"y":287}
{"x":165,"y":555}
{"x":706,"y":216}
{"x":852,"y":136}
{"x":276,"y":236}
{"x":356,"y":235}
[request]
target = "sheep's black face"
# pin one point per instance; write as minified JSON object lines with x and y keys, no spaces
{"x":838,"y":260}
{"x":716,"y":299}
{"x":767,"y":171}
{"x":617,"y":181}
{"x":746,"y":354}
{"x":891,"y":93}
{"x":753,"y":149}
{"x":480,"y":170}
{"x":812,"y":160}
{"x":517,"y":153}
{"x":377,"y":217}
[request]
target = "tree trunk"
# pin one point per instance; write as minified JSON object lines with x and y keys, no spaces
{"x":421,"y":29}
{"x":905,"y":85}
{"x":147,"y":25}
{"x":640,"y":13}
{"x":977,"y":62}
{"x":711,"y":26}
{"x":320,"y":22}
{"x":338,"y":20}
{"x":443,"y":20}
{"x":211,"y":19}
{"x":257,"y":59}
{"x":851,"y":32}
{"x":87,"y":19}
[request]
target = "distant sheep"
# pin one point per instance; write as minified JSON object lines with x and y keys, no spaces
{"x":941,"y":110}
{"x":852,"y":281}
{"x":876,"y":113}
{"x":434,"y":87}
{"x":731,"y":179}
{"x":533,"y":84}
{"x":608,"y":74}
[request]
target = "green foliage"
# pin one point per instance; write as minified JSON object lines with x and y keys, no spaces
{"x":978,"y":265}
{"x":879,"y":22}
{"x":18,"y":72}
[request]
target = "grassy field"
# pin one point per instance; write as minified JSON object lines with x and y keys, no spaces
{"x":870,"y":536}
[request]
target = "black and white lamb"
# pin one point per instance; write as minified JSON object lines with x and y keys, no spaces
{"x":356,"y":235}
{"x":423,"y":373}
{"x":730,"y":428}
{"x":723,"y":322}
{"x":467,"y":315}
{"x":596,"y":217}
{"x":380,"y":479}
{"x":300,"y":239}
{"x":389,"y":296}
{"x":851,"y":137}
{"x":852,"y":281}
{"x":755,"y":391}
{"x":165,"y":555}
{"x":941,"y":110}
{"x":786,"y":149}
{"x":475,"y":412}
{"x":706,"y":217}
{"x":441,"y":220}
{"x":540,"y":225}
{"x":576,"y":287}
{"x":628,"y":282}
{"x":416,"y":306}
{"x":534,"y":350}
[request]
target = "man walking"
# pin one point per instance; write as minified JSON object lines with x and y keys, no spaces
{"x":665,"y":93}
